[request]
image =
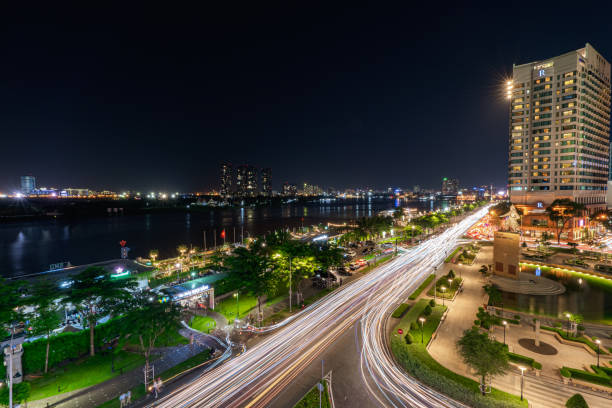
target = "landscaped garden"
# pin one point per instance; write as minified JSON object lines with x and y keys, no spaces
{"x":412,"y":354}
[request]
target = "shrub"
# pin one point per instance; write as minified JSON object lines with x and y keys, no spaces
{"x":401,"y":309}
{"x":414,"y":326}
{"x":432,"y":303}
{"x":536,"y":365}
{"x":408,"y":338}
{"x":576,"y":401}
{"x":517,"y":317}
{"x":486,"y":325}
{"x":565,"y":372}
{"x":589,"y":377}
{"x":451,"y":274}
{"x":477,"y":322}
{"x":427,"y":310}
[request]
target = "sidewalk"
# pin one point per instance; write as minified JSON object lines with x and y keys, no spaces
{"x":100,"y":393}
{"x":541,"y":392}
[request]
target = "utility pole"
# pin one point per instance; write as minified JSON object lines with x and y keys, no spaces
{"x":11,"y":367}
{"x":290,"y":273}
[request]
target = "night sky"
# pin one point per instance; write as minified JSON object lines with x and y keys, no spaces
{"x":141,"y":98}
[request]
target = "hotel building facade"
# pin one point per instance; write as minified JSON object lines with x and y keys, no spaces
{"x":559,"y":135}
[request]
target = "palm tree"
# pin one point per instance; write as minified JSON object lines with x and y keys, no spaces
{"x":181,"y":249}
{"x":153,"y":254}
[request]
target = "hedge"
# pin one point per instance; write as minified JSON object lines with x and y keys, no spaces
{"x":399,"y":312}
{"x":589,"y":377}
{"x":580,"y":339}
{"x":67,"y":346}
{"x":576,"y":401}
{"x":528,"y":361}
{"x":422,"y":287}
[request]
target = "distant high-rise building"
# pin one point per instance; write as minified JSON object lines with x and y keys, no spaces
{"x":416,"y":189}
{"x":266,"y":181}
{"x":289,"y":189}
{"x":227,"y":176}
{"x":311,"y":190}
{"x":28,"y":184}
{"x":560,"y":130}
{"x":246,"y":180}
{"x":450,"y":186}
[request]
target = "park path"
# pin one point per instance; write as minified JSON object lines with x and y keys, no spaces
{"x":100,"y":393}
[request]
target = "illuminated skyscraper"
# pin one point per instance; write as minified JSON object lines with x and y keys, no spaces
{"x":266,"y":181}
{"x":560,"y":129}
{"x":227,"y":173}
{"x":28,"y":184}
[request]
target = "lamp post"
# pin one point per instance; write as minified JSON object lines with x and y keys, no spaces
{"x":422,"y":320}
{"x":435,"y":282}
{"x":522,"y":380}
{"x":443,"y":288}
{"x":598,"y":343}
{"x":568,"y":322}
{"x":237,"y":307}
{"x":505,"y":324}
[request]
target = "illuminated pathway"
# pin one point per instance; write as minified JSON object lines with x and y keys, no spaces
{"x":256,"y":377}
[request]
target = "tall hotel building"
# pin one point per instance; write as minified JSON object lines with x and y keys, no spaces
{"x":559,"y":136}
{"x":560,"y":130}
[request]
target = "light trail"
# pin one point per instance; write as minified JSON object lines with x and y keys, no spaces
{"x":256,"y":377}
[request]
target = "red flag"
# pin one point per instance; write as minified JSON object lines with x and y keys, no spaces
{"x":223,"y":233}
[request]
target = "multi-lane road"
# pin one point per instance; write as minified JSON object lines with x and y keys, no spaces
{"x":261,"y":376}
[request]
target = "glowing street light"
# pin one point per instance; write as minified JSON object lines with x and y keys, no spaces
{"x":598,"y":343}
{"x":569,"y":316}
{"x":422,"y":320}
{"x":505,"y":324}
{"x":237,"y":307}
{"x":443,"y":289}
{"x":522,"y":379}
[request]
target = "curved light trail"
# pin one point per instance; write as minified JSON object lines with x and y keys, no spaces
{"x":256,"y":377}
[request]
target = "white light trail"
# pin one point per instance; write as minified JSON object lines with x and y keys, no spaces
{"x":256,"y":377}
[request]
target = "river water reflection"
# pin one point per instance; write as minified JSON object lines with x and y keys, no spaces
{"x":29,"y":247}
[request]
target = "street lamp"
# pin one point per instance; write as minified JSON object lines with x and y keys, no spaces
{"x":443,"y":288}
{"x":522,"y":380}
{"x":178,"y":271}
{"x":505,"y":324}
{"x":568,"y":322}
{"x":237,"y":307}
{"x":422,"y":320}
{"x":598,"y":343}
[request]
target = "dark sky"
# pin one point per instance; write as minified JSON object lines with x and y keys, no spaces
{"x":141,"y":98}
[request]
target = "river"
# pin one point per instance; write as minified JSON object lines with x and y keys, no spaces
{"x":32,"y":246}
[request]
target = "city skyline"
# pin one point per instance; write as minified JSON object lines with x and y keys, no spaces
{"x":138,"y":109}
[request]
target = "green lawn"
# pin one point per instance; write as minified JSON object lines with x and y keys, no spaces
{"x":83,"y":373}
{"x":311,"y":399}
{"x":227,"y":307}
{"x":415,"y":359}
{"x":205,"y":324}
{"x":167,"y":339}
{"x":449,"y":292}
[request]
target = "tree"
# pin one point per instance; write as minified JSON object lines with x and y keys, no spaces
{"x":485,"y":356}
{"x":46,"y":317}
{"x":251,"y":268}
{"x":153,"y":254}
{"x":576,"y":401}
{"x":96,"y":294}
{"x":495,"y":296}
{"x":181,"y":249}
{"x":44,"y":321}
{"x":21,"y":393}
{"x":398,"y":214}
{"x":149,"y":319}
{"x":560,"y":212}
